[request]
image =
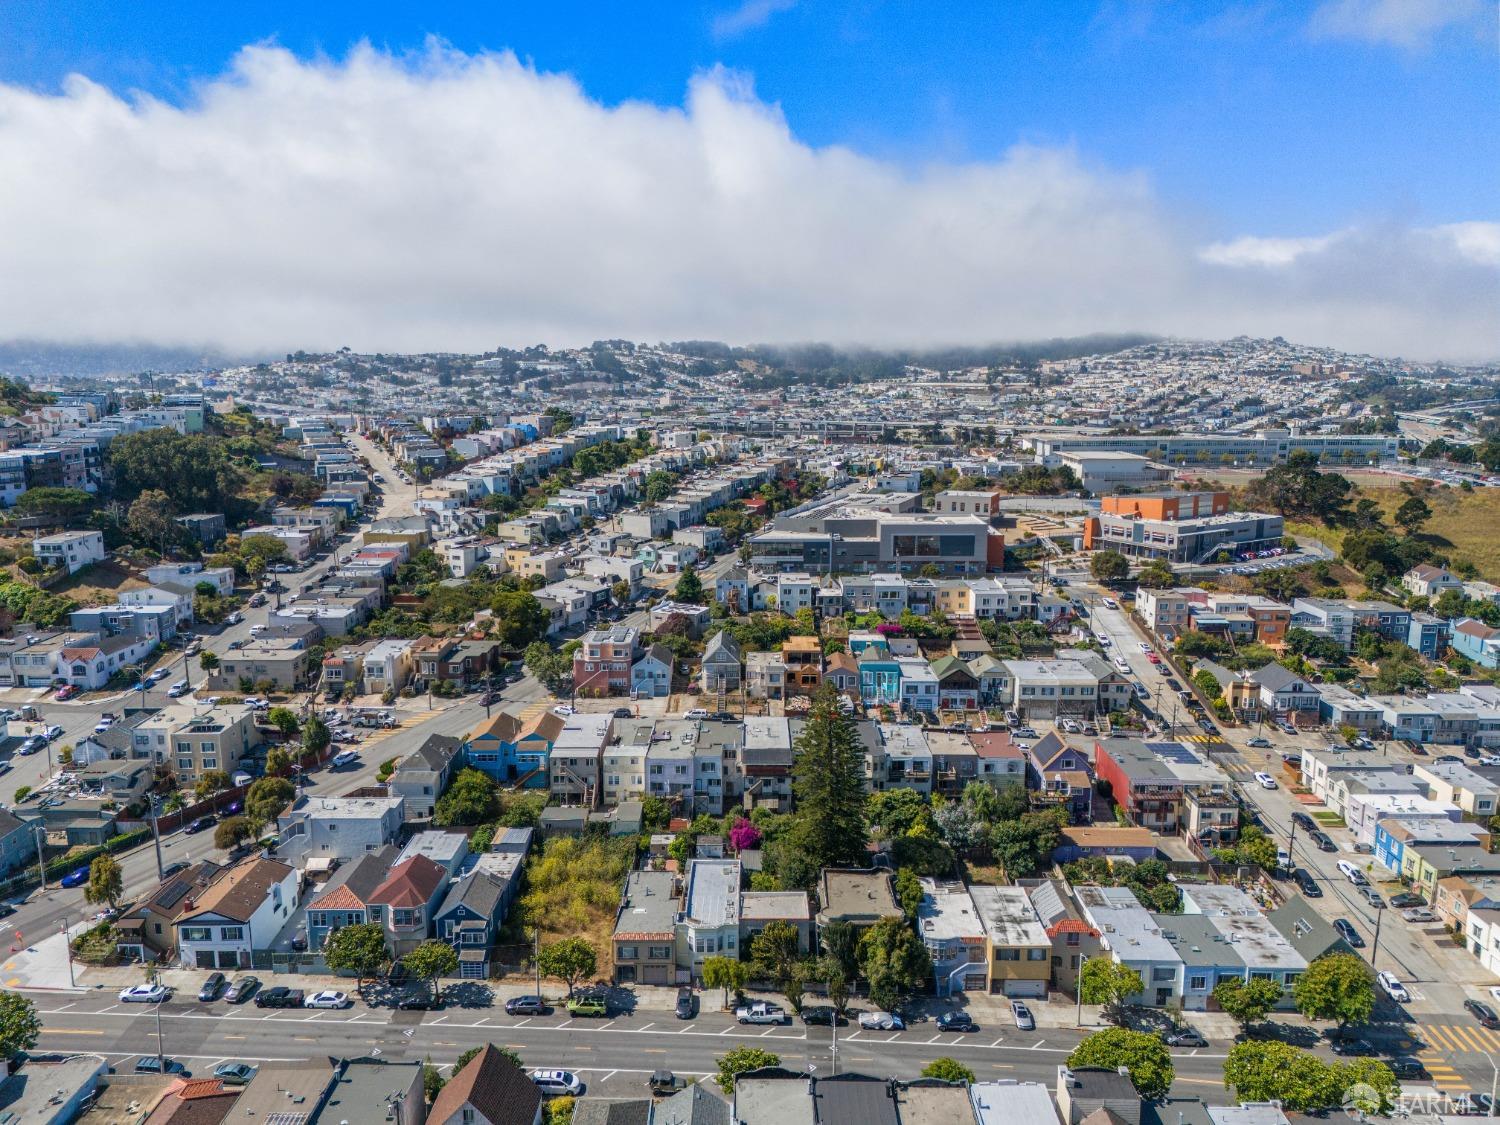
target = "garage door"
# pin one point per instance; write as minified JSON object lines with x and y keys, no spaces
{"x":1030,"y":989}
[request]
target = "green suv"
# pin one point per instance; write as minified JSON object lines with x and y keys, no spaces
{"x":588,"y":1006}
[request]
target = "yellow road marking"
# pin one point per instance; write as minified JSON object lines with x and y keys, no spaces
{"x":70,"y":1031}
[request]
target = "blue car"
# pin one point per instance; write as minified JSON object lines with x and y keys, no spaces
{"x":76,"y":878}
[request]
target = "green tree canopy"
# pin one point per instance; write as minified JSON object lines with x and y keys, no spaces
{"x":472,"y":798}
{"x":894,"y":962}
{"x":1109,"y":983}
{"x":1337,"y":986}
{"x":775,"y":952}
{"x":948,"y":1070}
{"x":1247,"y":1002}
{"x":232,"y":832}
{"x":359,"y":949}
{"x":20,"y":1026}
{"x":689,"y":588}
{"x":1144,"y":1055}
{"x":106,"y":882}
{"x":740,"y":1061}
{"x":315,"y":736}
{"x":1264,"y":1070}
{"x":431,"y":960}
{"x":828,"y":780}
{"x":1109,"y":566}
{"x":520,"y":619}
{"x":728,"y":973}
{"x":267,"y":798}
{"x":284,"y":719}
{"x":569,"y":961}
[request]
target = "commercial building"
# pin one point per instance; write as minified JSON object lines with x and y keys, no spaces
{"x":1180,"y":527}
{"x":841,"y":537}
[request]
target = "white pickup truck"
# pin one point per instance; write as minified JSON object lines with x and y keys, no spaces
{"x":760,"y":1013}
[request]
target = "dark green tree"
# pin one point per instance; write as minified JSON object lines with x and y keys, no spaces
{"x":828,"y":779}
{"x":1142,"y":1054}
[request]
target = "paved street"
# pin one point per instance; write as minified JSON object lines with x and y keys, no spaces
{"x":626,"y":1048}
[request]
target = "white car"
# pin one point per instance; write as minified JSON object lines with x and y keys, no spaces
{"x":1144,"y":647}
{"x":881,"y":1021}
{"x":1110,"y":603}
{"x":144,"y":994}
{"x":1265,"y":781}
{"x":328,"y":999}
{"x":562,"y":709}
{"x":1022,"y":1015}
{"x":1393,"y":987}
{"x":695,"y":713}
{"x":1352,"y":873}
{"x":554,"y":1083}
{"x":52,"y":734}
{"x":345,"y":758}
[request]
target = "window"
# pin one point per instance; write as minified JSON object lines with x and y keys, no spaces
{"x":1198,"y":984}
{"x":627,"y":953}
{"x":377,"y":914}
{"x":661,"y":952}
{"x":1007,"y":955}
{"x":1036,"y":955}
{"x":196,"y":933}
{"x":1163,"y":973}
{"x":232,"y":933}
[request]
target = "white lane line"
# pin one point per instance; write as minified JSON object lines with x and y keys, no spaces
{"x":439,"y":1020}
{"x":648,"y":1027}
{"x":728,"y":1029}
{"x":523,"y":1023}
{"x":935,"y":1039}
{"x":997,"y":1042}
{"x":608,"y":1076}
{"x":605,"y":1027}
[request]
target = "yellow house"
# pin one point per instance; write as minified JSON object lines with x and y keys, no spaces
{"x":1020,"y":952}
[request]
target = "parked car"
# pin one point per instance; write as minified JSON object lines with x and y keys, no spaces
{"x":150,"y":1064}
{"x":1260,"y":743}
{"x":327,"y":999}
{"x":1265,"y":780}
{"x":1392,"y":986}
{"x":1352,"y":873}
{"x":213,"y":984}
{"x":241,"y":989}
{"x":526,"y":1006}
{"x":1347,"y":931}
{"x":421,"y":1000}
{"x":881,"y":1021}
{"x":1306,"y":883}
{"x":1482,"y":1012}
{"x":822,"y":1014}
{"x":1323,"y":841}
{"x":1407,"y":1068}
{"x":345,"y":758}
{"x":588,"y":1006}
{"x":956,"y":1021}
{"x":1184,"y":1037}
{"x":1022,"y":1015}
{"x":1418,"y":914}
{"x":1351,"y":1045}
{"x":696,"y":713}
{"x":279,"y":997}
{"x":1404,"y":899}
{"x":144,"y":994}
{"x":555,"y":1083}
{"x":201,"y":823}
{"x":1372,"y":896}
{"x":664,"y":1082}
{"x":67,"y":691}
{"x":687,"y":1004}
{"x":761,"y":1012}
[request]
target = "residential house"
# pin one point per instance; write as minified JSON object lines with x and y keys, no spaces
{"x":388,"y":666}
{"x":602,"y":663}
{"x":765,"y":675}
{"x":146,"y":928}
{"x":1001,"y":761}
{"x":405,"y":902}
{"x":491,"y":746}
{"x":709,"y":925}
{"x":803,"y":657}
{"x":904,"y":757}
{"x":651,"y":674}
{"x":338,"y":828}
{"x":1073,"y":939}
{"x":1060,"y":773}
{"x":1477,"y":641}
{"x":70,"y":550}
{"x":860,"y":897}
{"x":343,"y":899}
{"x":18,"y":842}
{"x":842,"y":671}
{"x":919,"y":685}
{"x":1019,"y":953}
{"x":1131,"y":936}
{"x":237,"y":915}
{"x":955,"y":762}
{"x":758,"y":909}
{"x":1282,"y":690}
{"x":478,"y":898}
{"x":423,"y":775}
{"x":722,"y":662}
{"x":766,"y":764}
{"x":489,"y":1090}
{"x":645,"y":942}
{"x":958,"y":687}
{"x":1429,"y":634}
{"x":576,"y":757}
{"x":950,"y":928}
{"x":1427,"y":581}
{"x":216,"y":739}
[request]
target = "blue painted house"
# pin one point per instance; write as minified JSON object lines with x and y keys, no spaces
{"x":514,"y":751}
{"x":879,"y":678}
{"x":1428,"y":634}
{"x":478,"y":899}
{"x":1477,"y":641}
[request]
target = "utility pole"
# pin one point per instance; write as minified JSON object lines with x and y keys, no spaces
{"x":156,"y":839}
{"x":1375,"y":941}
{"x":41,"y":866}
{"x":1078,"y":988}
{"x":536,"y":959}
{"x":161,"y":1060}
{"x":63,"y":926}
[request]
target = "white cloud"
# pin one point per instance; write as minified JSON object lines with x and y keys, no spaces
{"x":1410,"y":24}
{"x":748,"y":16}
{"x":464,"y":202}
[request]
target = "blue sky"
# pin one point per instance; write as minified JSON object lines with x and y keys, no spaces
{"x":1244,"y":110}
{"x":265,"y":177}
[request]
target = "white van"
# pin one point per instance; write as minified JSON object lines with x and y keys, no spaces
{"x":180,"y":688}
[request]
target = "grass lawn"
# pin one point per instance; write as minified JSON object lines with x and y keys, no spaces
{"x":99,"y":584}
{"x":1463,"y":524}
{"x":1328,"y":819}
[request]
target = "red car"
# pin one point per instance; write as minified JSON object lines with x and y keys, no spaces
{"x":67,"y":691}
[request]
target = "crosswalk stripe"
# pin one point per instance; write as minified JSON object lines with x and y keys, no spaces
{"x":1435,"y":1036}
{"x":1481,"y":1038}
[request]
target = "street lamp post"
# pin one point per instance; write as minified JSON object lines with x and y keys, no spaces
{"x":1078,"y":988}
{"x":1375,"y":941}
{"x":156,"y":839}
{"x":41,"y":866}
{"x":63,"y":926}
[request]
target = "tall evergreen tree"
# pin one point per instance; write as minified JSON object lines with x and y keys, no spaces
{"x":828,"y":781}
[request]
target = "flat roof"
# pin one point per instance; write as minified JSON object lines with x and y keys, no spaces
{"x":713,"y":892}
{"x":1008,"y":916}
{"x":648,"y":905}
{"x":947,"y":911}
